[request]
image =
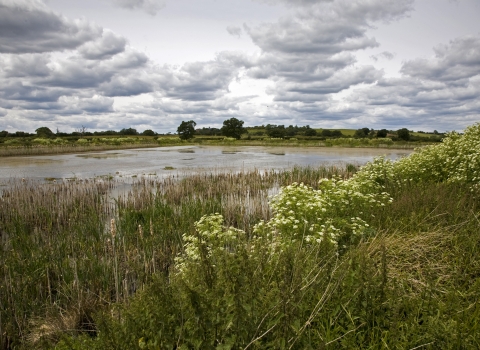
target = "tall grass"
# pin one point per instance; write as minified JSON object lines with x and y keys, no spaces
{"x":68,"y":250}
{"x":210,"y":261}
{"x":21,"y":150}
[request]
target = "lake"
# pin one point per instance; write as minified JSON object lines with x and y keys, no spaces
{"x":182,"y":160}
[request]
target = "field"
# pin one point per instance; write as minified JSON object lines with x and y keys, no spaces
{"x":386,"y":256}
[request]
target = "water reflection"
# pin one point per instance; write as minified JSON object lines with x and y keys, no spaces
{"x":102,"y":155}
{"x":165,"y":161}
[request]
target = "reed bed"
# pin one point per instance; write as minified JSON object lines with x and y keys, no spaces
{"x":36,"y":150}
{"x":82,"y":270}
{"x":68,"y":249}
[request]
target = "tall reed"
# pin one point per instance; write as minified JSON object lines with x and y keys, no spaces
{"x":63,"y":258}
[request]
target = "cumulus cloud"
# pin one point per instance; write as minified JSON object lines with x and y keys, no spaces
{"x":306,"y":62}
{"x":443,"y":89}
{"x":310,"y":54}
{"x":26,"y":65}
{"x":149,"y":6}
{"x":29,"y":27}
{"x":127,"y":86}
{"x":199,"y":81}
{"x":329,"y":27}
{"x":95,"y":104}
{"x":104,"y":47}
{"x":453,"y":62}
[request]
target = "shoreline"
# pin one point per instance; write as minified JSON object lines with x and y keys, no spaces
{"x":37,"y":150}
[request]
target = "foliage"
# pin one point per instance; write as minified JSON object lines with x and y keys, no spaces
{"x":310,"y":132}
{"x":361,"y":133}
{"x":403,"y":134}
{"x":233,"y":128}
{"x":331,"y":133}
{"x":186,"y":130}
{"x":148,"y":132}
{"x":333,"y":212}
{"x":44,"y":132}
{"x":382,"y":133}
{"x":129,"y":131}
{"x":455,"y":160}
{"x":275,"y":131}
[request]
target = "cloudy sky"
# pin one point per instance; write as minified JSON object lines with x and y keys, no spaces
{"x":149,"y":64}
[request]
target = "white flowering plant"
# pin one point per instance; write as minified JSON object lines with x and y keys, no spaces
{"x":210,"y":241}
{"x":336,"y":212}
{"x":455,"y":160}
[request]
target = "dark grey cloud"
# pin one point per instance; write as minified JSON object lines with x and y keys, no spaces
{"x":149,"y":6}
{"x":77,"y":73}
{"x":29,"y":27}
{"x":126,"y":86}
{"x":17,"y":90}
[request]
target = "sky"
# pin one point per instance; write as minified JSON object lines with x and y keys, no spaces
{"x":151,"y":64}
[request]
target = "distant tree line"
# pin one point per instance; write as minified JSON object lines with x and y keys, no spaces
{"x":45,"y":132}
{"x":234,"y":128}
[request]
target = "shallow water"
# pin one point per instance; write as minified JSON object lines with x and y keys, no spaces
{"x":182,"y":160}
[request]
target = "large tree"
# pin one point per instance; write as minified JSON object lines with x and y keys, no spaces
{"x":129,"y":131}
{"x":44,"y":132}
{"x":403,"y":134}
{"x":233,"y":128}
{"x":186,"y":130}
{"x":382,"y":133}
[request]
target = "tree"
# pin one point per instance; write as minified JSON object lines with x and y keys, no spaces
{"x":44,"y":132}
{"x":382,"y":133}
{"x":186,"y":130}
{"x":276,"y":131}
{"x":310,"y":132}
{"x":148,"y":132}
{"x":403,"y":134}
{"x":361,"y":133}
{"x":129,"y":131}
{"x":233,"y":128}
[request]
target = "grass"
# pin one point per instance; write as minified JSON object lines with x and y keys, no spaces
{"x":60,"y":263}
{"x":64,"y":261}
{"x":80,"y":270}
